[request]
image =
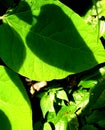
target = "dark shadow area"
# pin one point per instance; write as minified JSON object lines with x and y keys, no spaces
{"x":4,"y":122}
{"x":17,"y":1}
{"x":7,"y":4}
{"x":23,"y":12}
{"x":2,"y":63}
{"x":36,"y":110}
{"x":13,"y":53}
{"x":52,"y":42}
{"x":79,"y":6}
{"x":103,"y":41}
{"x":3,"y":9}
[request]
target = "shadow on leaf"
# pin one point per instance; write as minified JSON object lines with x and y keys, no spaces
{"x":4,"y":122}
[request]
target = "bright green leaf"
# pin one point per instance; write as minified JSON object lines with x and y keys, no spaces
{"x":48,"y":41}
{"x":88,"y":83}
{"x":46,"y":103}
{"x":61,"y":94}
{"x":67,"y":116}
{"x":81,"y":99}
{"x":51,"y":116}
{"x":15,"y":108}
{"x":47,"y":126}
{"x":62,"y":124}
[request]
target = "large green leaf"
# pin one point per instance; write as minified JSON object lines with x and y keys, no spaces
{"x":46,"y":40}
{"x":15,"y":110}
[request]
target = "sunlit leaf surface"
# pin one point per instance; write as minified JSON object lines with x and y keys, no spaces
{"x":46,"y":40}
{"x":15,"y":109}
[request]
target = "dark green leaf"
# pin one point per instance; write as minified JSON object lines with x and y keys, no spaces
{"x":89,"y":127}
{"x":97,"y":96}
{"x":101,"y":123}
{"x":96,"y":116}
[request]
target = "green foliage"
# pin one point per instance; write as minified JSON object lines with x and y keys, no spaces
{"x":86,"y":104}
{"x":89,"y":127}
{"x":45,"y":40}
{"x":15,"y":109}
{"x":51,"y":38}
{"x":94,"y":111}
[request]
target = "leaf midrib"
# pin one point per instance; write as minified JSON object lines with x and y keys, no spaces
{"x":44,"y":37}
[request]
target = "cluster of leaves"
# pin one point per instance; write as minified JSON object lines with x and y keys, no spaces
{"x":72,"y":110}
{"x":46,"y":40}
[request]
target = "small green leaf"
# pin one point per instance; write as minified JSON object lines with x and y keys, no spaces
{"x":51,"y":116}
{"x":62,"y":124}
{"x":91,"y":79}
{"x":47,"y":126}
{"x":81,"y":99}
{"x":46,"y":103}
{"x":61,"y":94}
{"x":67,"y":116}
{"x":88,"y":83}
{"x":15,"y":108}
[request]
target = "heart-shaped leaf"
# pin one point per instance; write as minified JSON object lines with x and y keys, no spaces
{"x":48,"y":41}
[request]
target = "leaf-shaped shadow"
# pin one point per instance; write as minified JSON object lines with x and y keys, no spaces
{"x":56,"y":41}
{"x":4,"y":122}
{"x":12,"y":49}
